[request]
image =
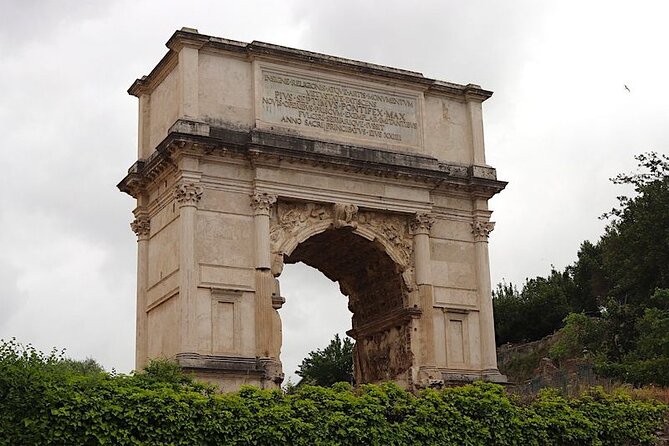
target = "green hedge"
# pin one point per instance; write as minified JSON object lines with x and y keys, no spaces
{"x":43,"y":402}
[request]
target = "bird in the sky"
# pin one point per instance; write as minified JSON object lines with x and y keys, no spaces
{"x":628,"y":89}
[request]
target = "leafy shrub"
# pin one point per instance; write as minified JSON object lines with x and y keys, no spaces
{"x":44,"y":403}
{"x":580,"y":337}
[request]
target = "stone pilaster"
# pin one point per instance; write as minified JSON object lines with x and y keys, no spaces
{"x":144,"y":130}
{"x":188,"y":82}
{"x":262,"y":202}
{"x":141,"y":226}
{"x":187,"y":195}
{"x":475,"y":115}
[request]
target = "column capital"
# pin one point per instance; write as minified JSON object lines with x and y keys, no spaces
{"x":421,"y":223}
{"x":262,"y":202}
{"x":482,"y":229}
{"x":141,"y":226}
{"x":188,"y":194}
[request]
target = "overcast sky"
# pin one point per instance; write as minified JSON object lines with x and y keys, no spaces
{"x":559,"y":125}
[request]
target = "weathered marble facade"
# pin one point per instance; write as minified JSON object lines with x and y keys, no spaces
{"x":253,"y":155}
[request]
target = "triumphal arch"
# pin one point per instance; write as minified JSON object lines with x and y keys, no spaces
{"x":254,"y":155}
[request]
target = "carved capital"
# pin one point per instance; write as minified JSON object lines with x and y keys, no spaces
{"x":262,"y":202}
{"x":421,"y":223}
{"x":188,"y":194}
{"x":482,"y":229}
{"x":141,"y":226}
{"x":345,"y":215}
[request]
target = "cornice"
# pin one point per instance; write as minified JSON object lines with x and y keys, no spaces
{"x":262,"y":50}
{"x":146,"y":84}
{"x":392,"y":319}
{"x":262,"y":146}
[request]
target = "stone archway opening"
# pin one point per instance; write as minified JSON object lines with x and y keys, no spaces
{"x":314,"y":312}
{"x":377,"y":297}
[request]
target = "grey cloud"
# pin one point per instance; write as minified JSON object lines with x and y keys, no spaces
{"x":10,"y":295}
{"x":29,"y":21}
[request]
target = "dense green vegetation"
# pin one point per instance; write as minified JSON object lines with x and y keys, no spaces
{"x":46,"y":401}
{"x":621,"y":282}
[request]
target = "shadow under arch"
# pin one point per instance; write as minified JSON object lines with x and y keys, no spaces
{"x":371,"y":275}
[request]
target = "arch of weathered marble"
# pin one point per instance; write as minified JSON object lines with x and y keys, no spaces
{"x":251,"y":155}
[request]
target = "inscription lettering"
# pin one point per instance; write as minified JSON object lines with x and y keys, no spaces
{"x":336,"y":108}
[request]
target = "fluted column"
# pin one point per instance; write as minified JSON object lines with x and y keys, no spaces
{"x":262,"y":202}
{"x":420,"y":227}
{"x":141,"y":226}
{"x":481,"y":229}
{"x":187,"y":195}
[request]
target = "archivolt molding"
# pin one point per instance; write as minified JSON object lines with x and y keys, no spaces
{"x":293,"y":223}
{"x":392,"y":231}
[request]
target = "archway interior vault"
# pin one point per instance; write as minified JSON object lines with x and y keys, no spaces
{"x":373,"y":283}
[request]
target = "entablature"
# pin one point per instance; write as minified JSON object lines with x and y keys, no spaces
{"x":259,"y":145}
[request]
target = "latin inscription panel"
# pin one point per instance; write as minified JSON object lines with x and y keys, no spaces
{"x":339,"y":109}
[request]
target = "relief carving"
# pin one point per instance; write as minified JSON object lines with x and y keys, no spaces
{"x":409,"y":276}
{"x":482,"y":229}
{"x":345,"y":215}
{"x":292,"y":217}
{"x":383,"y":356}
{"x":394,"y":229}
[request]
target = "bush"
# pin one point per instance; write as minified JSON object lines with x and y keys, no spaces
{"x":46,"y":404}
{"x":581,"y":336}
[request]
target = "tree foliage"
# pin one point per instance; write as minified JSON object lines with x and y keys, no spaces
{"x":635,"y":247}
{"x":622,"y":279}
{"x":334,"y":363}
{"x":43,"y":403}
{"x":543,"y":301}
